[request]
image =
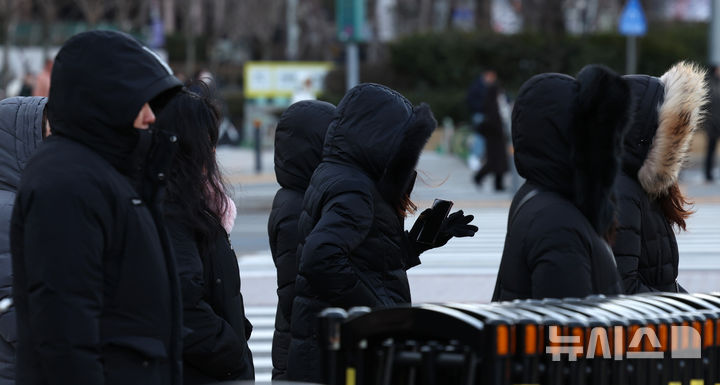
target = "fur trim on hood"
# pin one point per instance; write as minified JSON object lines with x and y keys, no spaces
{"x":678,"y":118}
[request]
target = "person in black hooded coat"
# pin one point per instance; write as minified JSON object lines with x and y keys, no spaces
{"x":667,"y":112}
{"x":298,"y":149}
{"x":353,"y":249}
{"x":95,"y":286}
{"x":567,"y":135}
{"x":199,"y":216}
{"x":21,"y":124}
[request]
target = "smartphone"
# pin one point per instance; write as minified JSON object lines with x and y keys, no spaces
{"x":431,"y":228}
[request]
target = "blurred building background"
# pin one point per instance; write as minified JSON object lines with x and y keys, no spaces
{"x":428,"y":49}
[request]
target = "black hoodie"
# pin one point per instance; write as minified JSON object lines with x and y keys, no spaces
{"x":96,"y":291}
{"x":298,"y":149}
{"x":353,"y":249}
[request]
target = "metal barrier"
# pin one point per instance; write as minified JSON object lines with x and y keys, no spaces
{"x":661,"y":338}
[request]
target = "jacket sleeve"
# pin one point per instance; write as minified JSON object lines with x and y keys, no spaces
{"x":63,"y":247}
{"x":212,"y":346}
{"x":325,"y":257}
{"x":628,"y":245}
{"x":8,"y":330}
{"x":560,"y":265}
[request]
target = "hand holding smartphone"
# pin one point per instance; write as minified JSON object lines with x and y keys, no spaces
{"x":433,"y":221}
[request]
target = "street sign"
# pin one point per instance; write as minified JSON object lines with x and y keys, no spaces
{"x":632,"y":19}
{"x":281,"y":79}
{"x":350,"y":20}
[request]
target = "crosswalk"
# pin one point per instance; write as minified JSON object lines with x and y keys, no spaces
{"x":475,"y":261}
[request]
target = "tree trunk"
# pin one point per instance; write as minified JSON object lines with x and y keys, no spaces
{"x":48,"y":18}
{"x":189,"y":30}
{"x":483,"y":15}
{"x":424,"y":17}
{"x":543,"y":16}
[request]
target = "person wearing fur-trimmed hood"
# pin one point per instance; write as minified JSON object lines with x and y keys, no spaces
{"x":667,"y":110}
{"x":353,"y":249}
{"x":567,"y":136}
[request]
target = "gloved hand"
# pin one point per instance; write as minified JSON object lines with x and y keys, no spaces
{"x":455,"y":225}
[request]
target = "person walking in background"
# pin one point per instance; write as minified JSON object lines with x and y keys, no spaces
{"x":95,"y":287}
{"x":353,"y":248}
{"x":492,"y":129}
{"x":474,"y":100}
{"x":667,"y":112}
{"x":299,"y":141}
{"x":567,"y":135}
{"x":42,"y":80}
{"x":199,"y":216}
{"x":21,"y":119}
{"x":712,"y":121}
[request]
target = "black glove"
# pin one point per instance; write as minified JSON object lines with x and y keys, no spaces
{"x":455,"y":225}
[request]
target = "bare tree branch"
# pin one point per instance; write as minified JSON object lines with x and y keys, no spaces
{"x":93,"y":10}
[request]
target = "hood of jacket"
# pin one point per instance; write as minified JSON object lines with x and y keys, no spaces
{"x":21,"y":127}
{"x":378,"y":131}
{"x":567,"y":133}
{"x":299,"y":138}
{"x":100,"y":81}
{"x":667,"y":112}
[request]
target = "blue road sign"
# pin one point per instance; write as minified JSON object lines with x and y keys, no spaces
{"x":632,"y":20}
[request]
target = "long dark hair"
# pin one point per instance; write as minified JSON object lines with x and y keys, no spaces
{"x":196,"y":191}
{"x":676,"y":207}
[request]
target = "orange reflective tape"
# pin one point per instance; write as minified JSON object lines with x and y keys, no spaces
{"x":685,"y":341}
{"x":696,"y":339}
{"x":531,"y":342}
{"x":502,"y":335}
{"x":708,"y":336}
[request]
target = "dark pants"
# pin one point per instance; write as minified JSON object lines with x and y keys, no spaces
{"x":499,"y":186}
{"x":710,"y":158}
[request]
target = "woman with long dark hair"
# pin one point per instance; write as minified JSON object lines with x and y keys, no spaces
{"x":199,"y":217}
{"x":667,"y":112}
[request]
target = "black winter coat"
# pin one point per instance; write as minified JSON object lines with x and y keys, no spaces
{"x":298,"y":149}
{"x":95,"y":287}
{"x":215,"y":344}
{"x":566,"y":136}
{"x":353,"y":249}
{"x":21,"y":127}
{"x":645,"y":247}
